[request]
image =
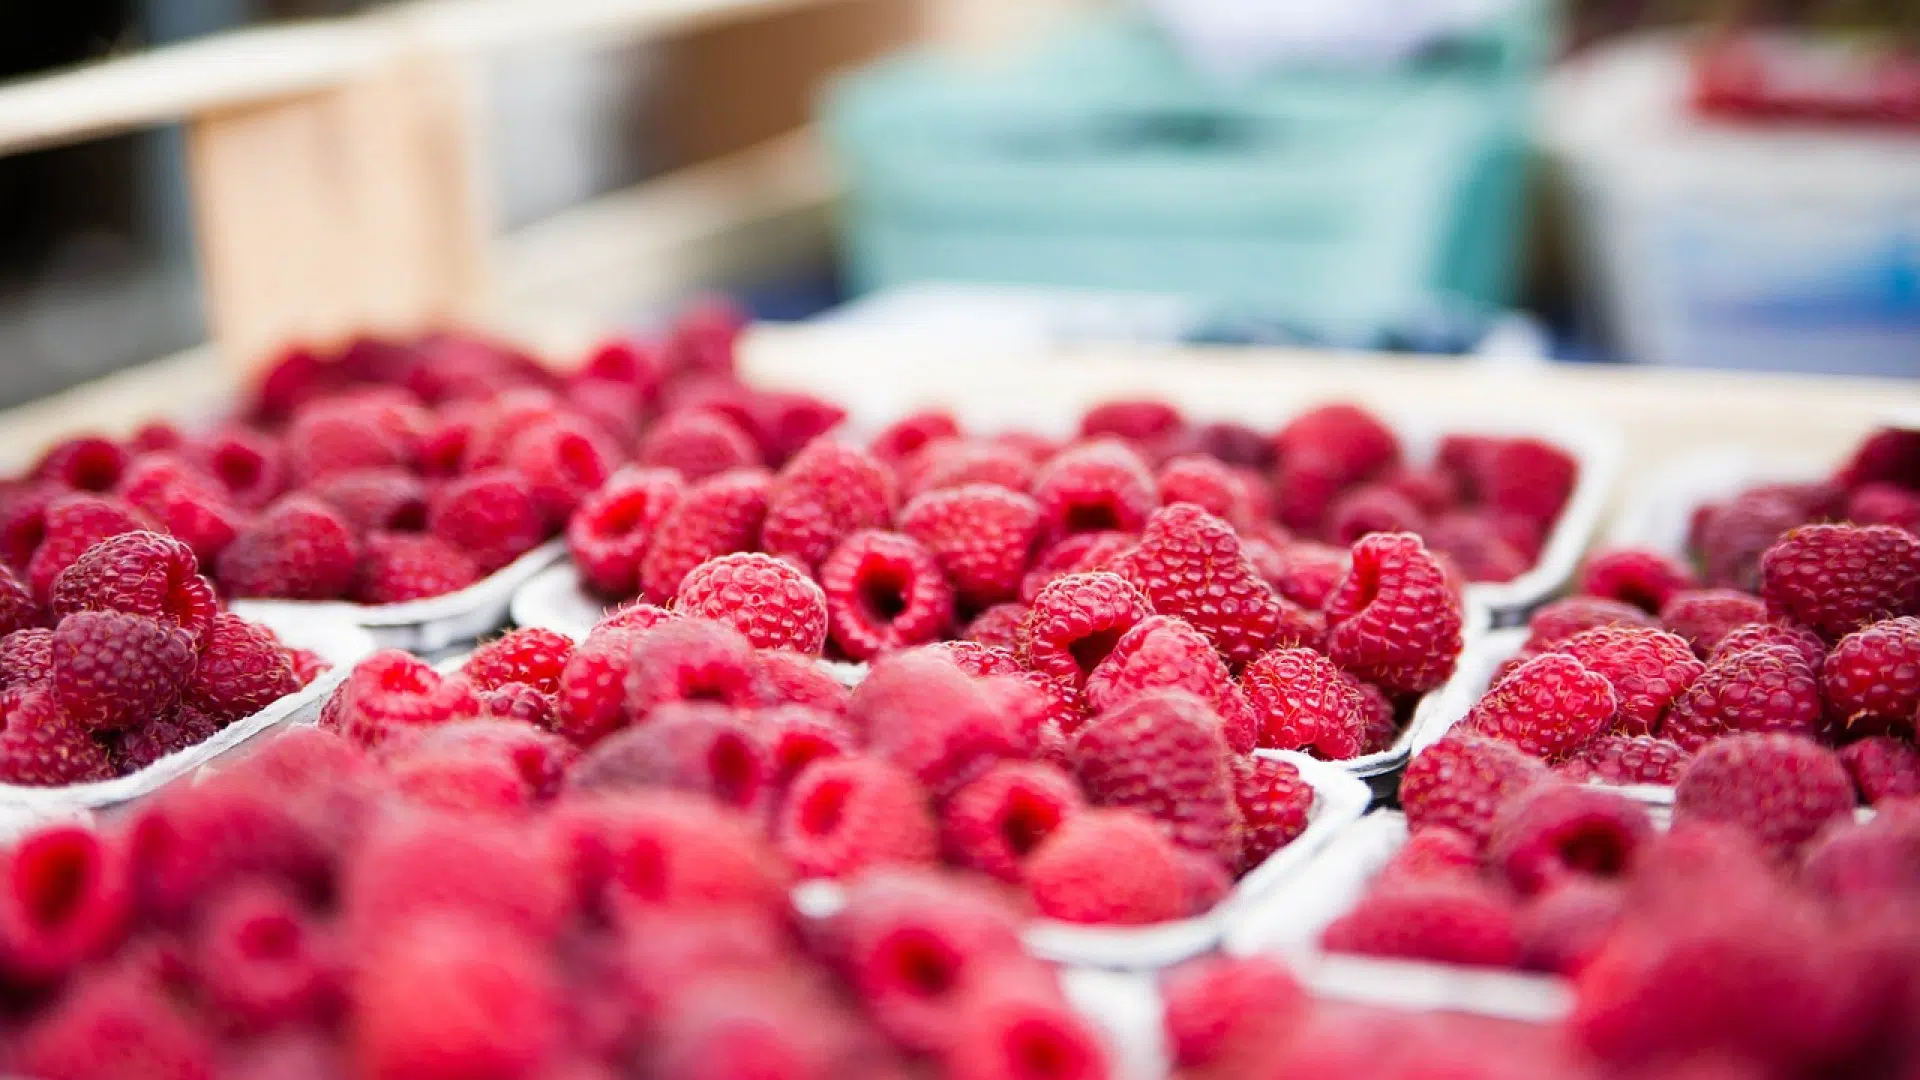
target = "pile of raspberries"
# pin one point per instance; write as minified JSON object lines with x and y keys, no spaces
{"x":129,"y":659}
{"x":929,"y":533}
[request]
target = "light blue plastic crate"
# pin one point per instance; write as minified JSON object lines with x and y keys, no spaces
{"x":1102,"y":162}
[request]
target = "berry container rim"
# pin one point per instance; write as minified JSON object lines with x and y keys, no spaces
{"x":1657,"y":515}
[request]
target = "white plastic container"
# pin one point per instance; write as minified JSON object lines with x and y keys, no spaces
{"x":1777,"y":247}
{"x":1659,"y":512}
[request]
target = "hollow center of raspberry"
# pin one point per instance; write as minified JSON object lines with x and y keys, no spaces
{"x":800,"y":749}
{"x":926,"y":966}
{"x":1039,"y":1053}
{"x":95,"y":469}
{"x":273,"y":937}
{"x":824,"y":808}
{"x":1027,"y":822}
{"x":1597,"y":851}
{"x":578,"y":463}
{"x":883,"y":594}
{"x":52,"y":882}
{"x":1089,"y":650}
{"x":238,"y":467}
{"x":735,"y":772}
{"x":1101,"y":516}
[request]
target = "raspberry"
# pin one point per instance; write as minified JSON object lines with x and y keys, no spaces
{"x":262,"y":963}
{"x":299,"y":549}
{"x":796,"y":679}
{"x":1559,"y":620}
{"x":1647,"y":669}
{"x":249,"y":465}
{"x":1627,"y":760}
{"x":667,"y":851}
{"x":1888,"y":455}
{"x":1107,"y":866}
{"x":1354,"y":442}
{"x":190,"y":843}
{"x":563,"y":461}
{"x":1872,"y":678}
{"x":1798,"y":638}
{"x":489,"y":514}
{"x":849,"y":814}
{"x":169,"y":733}
{"x":1019,"y":1027}
{"x":532,"y":656}
{"x":885,"y":592}
{"x":518,"y":702}
{"x":697,"y":443}
{"x":73,"y":524}
{"x":1164,"y":653}
{"x":1162,"y":754}
{"x":1081,"y":553}
{"x":398,"y":567}
{"x":696,"y":747}
{"x":1475,"y":547}
{"x":111,"y":670}
{"x":611,"y":530}
{"x":1884,"y":504}
{"x":952,"y":463}
{"x":980,"y":535}
{"x":1392,"y":620}
{"x":1189,"y":563}
{"x":1442,"y":920}
{"x":1528,"y":477}
{"x":1734,"y":536}
{"x":1706,"y":616}
{"x":796,"y":736}
{"x":1435,"y":851}
{"x":1769,"y":688}
{"x":773,"y":604}
{"x":976,"y":659}
{"x":1462,"y":781}
{"x":1883,"y":768}
{"x":1562,"y":930}
{"x":243,"y":668}
{"x":1274,"y":800}
{"x":1207,"y":484}
{"x":445,"y":997}
{"x":113,"y":1025}
{"x":1781,"y":789}
{"x":717,"y":516}
{"x":534,"y":760}
{"x":1370,"y":508}
{"x":1379,"y":720}
{"x":928,"y":717}
{"x":739,"y":1024}
{"x":182,"y":502}
{"x":18,"y":609}
{"x":634,"y":615}
{"x":392,"y":693}
{"x":67,"y":901}
{"x":1645,"y":579}
{"x":991,"y":824}
{"x":912,"y":433}
{"x":376,"y":500}
{"x":691,"y":660}
{"x":1141,"y":420}
{"x":414,"y":865}
{"x":1097,"y":486}
{"x":1076,"y":621}
{"x":1556,"y":833}
{"x":1549,"y":706}
{"x":1306,"y":573}
{"x":1305,"y":485}
{"x":592,"y":698}
{"x":82,"y":463}
{"x":1866,"y":867}
{"x":1223,"y":1014}
{"x":826,"y":492}
{"x":998,"y":626}
{"x":1835,"y":579}
{"x":139,"y":573}
{"x":1301,"y":703}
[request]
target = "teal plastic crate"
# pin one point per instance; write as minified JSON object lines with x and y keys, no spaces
{"x":1101,"y":161}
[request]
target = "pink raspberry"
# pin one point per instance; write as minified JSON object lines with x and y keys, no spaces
{"x":1162,"y":754}
{"x":849,"y":814}
{"x":1392,"y":620}
{"x":1076,"y":621}
{"x":490,"y":514}
{"x":1556,"y":833}
{"x":1096,"y":486}
{"x":992,"y":823}
{"x":1883,"y":768}
{"x":1780,"y":789}
{"x":884,"y":592}
{"x":1645,"y":579}
{"x":1108,"y":866}
{"x":376,"y":500}
{"x":768,"y":600}
{"x":691,"y":660}
{"x":1301,"y":702}
{"x":1550,"y":706}
{"x":299,"y":549}
{"x":828,"y":491}
{"x":697,"y":443}
{"x":1443,"y":920}
{"x":980,"y":535}
{"x":1190,"y":564}
{"x":1463,"y":781}
{"x":697,"y":747}
{"x":612,"y":529}
{"x":398,"y":567}
{"x":719,"y":515}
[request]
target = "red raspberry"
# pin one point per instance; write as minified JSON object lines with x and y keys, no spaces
{"x":73,"y":524}
{"x":1076,"y":621}
{"x":1208,"y":484}
{"x":913,"y":433}
{"x":376,"y":500}
{"x":391,"y":693}
{"x":82,"y":463}
{"x":991,"y":824}
{"x":182,"y":502}
{"x":1706,"y":616}
{"x":1107,"y":866}
{"x":411,"y":866}
{"x":975,"y":658}
{"x":1274,"y":801}
{"x":697,"y":443}
{"x":1527,"y":477}
{"x":940,"y":724}
{"x":1224,"y":1014}
{"x":1081,"y":553}
{"x":826,"y":492}
{"x":243,"y":668}
{"x":1453,"y":920}
{"x":114,"y":1024}
{"x":732,"y":1023}
{"x":798,"y":679}
{"x":532,"y":656}
{"x":849,"y":814}
{"x":1305,"y":485}
{"x":563,"y":460}
{"x":1353,"y":441}
{"x":1164,"y":653}
{"x":664,"y":851}
{"x":1626,"y":760}
{"x":1162,"y":754}
{"x":1555,"y":833}
{"x":1190,"y":564}
{"x":139,"y":573}
{"x":1462,"y":781}
{"x":398,"y":567}
{"x":1872,"y":678}
{"x":1769,"y":688}
{"x":191,"y":842}
{"x":1392,"y":620}
{"x":263,"y":964}
{"x":1884,"y":504}
{"x":773,"y":604}
{"x":1306,"y":573}
{"x":1019,"y":1027}
{"x":496,"y":422}
{"x":1302,"y":703}
{"x":298,"y":550}
{"x":1866,"y":869}
{"x":1561,"y":931}
{"x":980,"y":535}
{"x":1648,"y":669}
{"x":169,"y":733}
{"x":490,"y":514}
{"x":1780,"y":789}
{"x":1753,"y":635}
{"x":1042,"y":711}
{"x":340,"y":436}
{"x":1371,"y":508}
{"x":448,"y":996}
{"x":1474,"y":544}
{"x":67,"y":901}
{"x":1435,"y":851}
{"x":1645,"y":579}
{"x":952,"y":463}
{"x":519,"y":703}
{"x":1137,"y":420}
{"x":717,"y":516}
{"x":1097,"y":486}
{"x":692,"y":660}
{"x":249,"y":465}
{"x":611,"y":530}
{"x":999,"y":626}
{"x":1549,"y":706}
{"x":885,"y":592}
{"x":1734,"y":535}
{"x":1559,"y":620}
{"x":796,"y":736}
{"x":593,"y":697}
{"x":41,"y":747}
{"x":536,"y":760}
{"x":1234,"y":443}
{"x":111,"y":670}
{"x":1835,"y":579}
{"x":696,"y":747}
{"x":1379,"y":720}
{"x":1889,"y":454}
{"x":1883,"y":768}
{"x":18,"y":609}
